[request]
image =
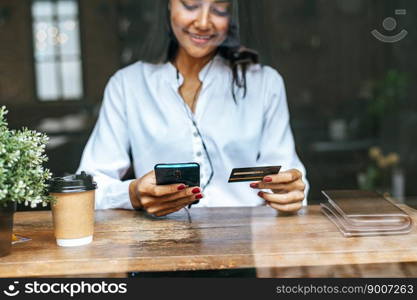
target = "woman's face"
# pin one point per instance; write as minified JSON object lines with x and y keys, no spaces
{"x":200,"y":26}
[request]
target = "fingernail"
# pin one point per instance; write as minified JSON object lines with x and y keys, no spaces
{"x":268,"y":179}
{"x":199,"y":196}
{"x":261,"y":194}
{"x":181,"y":187}
{"x":254,"y":185}
{"x":196,"y":191}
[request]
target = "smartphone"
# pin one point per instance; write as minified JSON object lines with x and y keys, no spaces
{"x":187,"y":173}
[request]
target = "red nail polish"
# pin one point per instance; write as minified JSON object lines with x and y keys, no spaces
{"x":196,"y":191}
{"x":254,"y":185}
{"x":268,"y":179}
{"x":181,"y":187}
{"x":199,"y":196}
{"x":261,"y":194}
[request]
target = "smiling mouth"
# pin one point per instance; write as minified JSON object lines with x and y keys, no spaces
{"x":201,"y":39}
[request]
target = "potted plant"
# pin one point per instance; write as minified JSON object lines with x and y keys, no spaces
{"x":378,"y":175}
{"x":389,"y":97}
{"x":23,"y":179}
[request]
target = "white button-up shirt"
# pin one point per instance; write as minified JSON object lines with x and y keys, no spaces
{"x":143,"y":117}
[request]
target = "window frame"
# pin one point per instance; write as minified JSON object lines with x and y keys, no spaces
{"x":59,"y":100}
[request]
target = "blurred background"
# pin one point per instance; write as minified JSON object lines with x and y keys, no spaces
{"x":349,"y":67}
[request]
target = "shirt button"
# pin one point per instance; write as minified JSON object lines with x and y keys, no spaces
{"x":195,"y":134}
{"x":199,"y":154}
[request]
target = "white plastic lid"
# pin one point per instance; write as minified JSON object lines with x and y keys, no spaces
{"x":74,"y":242}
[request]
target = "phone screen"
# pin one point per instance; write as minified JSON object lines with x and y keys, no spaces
{"x":186,"y":173}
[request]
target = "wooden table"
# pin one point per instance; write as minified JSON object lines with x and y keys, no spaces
{"x":306,"y":245}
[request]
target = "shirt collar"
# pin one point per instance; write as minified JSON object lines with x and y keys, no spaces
{"x":206,"y":75}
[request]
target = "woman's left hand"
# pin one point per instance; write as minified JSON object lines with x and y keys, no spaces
{"x":287,"y":190}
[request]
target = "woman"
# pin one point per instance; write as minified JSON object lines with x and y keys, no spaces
{"x":209,"y":102}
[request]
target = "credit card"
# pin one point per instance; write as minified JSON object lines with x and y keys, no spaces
{"x":252,"y":174}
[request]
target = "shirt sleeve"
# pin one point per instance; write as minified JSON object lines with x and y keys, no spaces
{"x":106,"y":155}
{"x":277,"y":142}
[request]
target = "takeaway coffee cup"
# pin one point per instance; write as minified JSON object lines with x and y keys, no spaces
{"x":73,"y":209}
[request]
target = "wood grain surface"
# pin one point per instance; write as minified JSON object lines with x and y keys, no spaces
{"x":217,"y":238}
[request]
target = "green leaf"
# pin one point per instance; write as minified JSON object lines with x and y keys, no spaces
{"x":22,"y":176}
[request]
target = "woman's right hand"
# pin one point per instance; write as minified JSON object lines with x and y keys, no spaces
{"x":161,"y":200}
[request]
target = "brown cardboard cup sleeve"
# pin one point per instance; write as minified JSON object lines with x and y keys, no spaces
{"x":73,"y":210}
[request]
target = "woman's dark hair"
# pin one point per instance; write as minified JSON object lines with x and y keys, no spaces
{"x":238,"y":57}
